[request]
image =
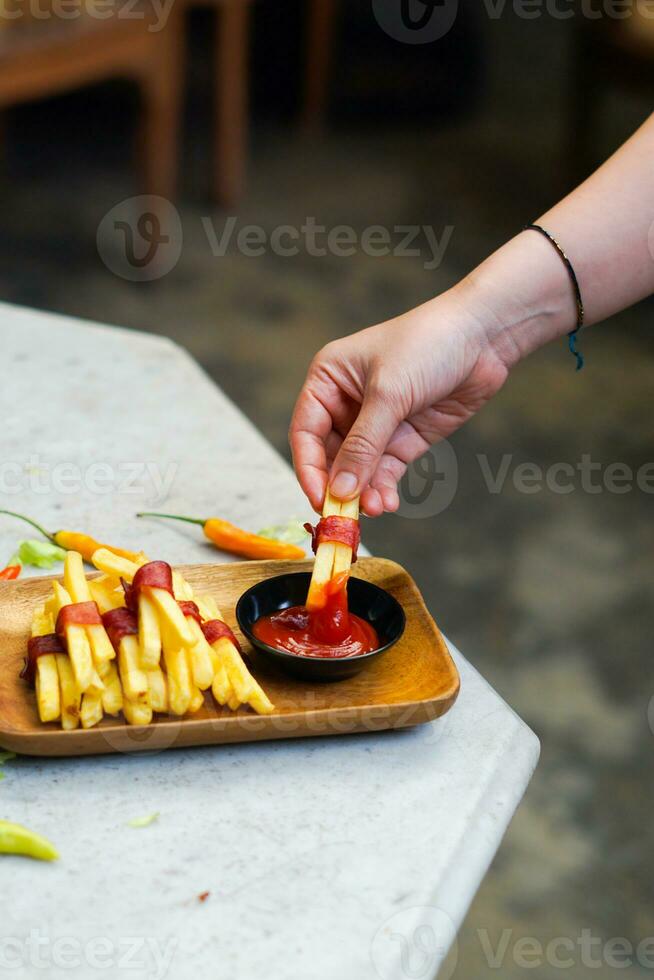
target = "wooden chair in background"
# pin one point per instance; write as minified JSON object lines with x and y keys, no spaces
{"x":49,"y":57}
{"x":46,"y":57}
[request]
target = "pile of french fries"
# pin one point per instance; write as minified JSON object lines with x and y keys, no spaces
{"x":332,"y":558}
{"x":166,"y":668}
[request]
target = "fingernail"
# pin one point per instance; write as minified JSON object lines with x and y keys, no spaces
{"x":344,"y":484}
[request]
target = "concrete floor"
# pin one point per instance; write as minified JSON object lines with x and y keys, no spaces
{"x":549,"y":595}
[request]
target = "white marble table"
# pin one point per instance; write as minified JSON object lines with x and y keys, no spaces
{"x":321,"y":856}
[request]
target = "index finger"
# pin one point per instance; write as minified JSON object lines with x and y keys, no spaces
{"x":310,"y":428}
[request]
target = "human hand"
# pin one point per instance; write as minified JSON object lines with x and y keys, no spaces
{"x":375,"y":401}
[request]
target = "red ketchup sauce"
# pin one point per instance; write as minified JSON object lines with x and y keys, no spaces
{"x":329,"y":632}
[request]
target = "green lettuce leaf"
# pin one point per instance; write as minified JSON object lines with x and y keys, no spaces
{"x":292,"y":532}
{"x":40,"y":554}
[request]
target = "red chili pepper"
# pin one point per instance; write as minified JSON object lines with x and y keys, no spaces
{"x":10,"y":572}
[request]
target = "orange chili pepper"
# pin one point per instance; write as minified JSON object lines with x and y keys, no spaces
{"x":74,"y":540}
{"x":227,"y":537}
{"x":10,"y":572}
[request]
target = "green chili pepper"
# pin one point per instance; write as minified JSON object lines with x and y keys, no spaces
{"x":15,"y":839}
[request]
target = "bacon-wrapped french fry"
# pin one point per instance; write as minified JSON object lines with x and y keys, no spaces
{"x":179,"y":676}
{"x":133,"y":640}
{"x":149,"y":633}
{"x":79,"y":591}
{"x":70,"y":695}
{"x":46,"y":680}
{"x":200,"y":659}
{"x":79,"y":650}
{"x":334,"y":552}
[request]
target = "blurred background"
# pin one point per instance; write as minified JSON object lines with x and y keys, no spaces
{"x":275,"y":115}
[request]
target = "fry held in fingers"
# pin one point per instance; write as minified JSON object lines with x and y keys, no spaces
{"x":335,"y":541}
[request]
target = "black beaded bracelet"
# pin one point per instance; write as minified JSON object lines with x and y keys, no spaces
{"x":572,"y":336}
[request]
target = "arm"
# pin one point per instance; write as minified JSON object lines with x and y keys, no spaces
{"x":376,"y":400}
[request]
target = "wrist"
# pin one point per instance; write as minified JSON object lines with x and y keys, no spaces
{"x":521,"y":296}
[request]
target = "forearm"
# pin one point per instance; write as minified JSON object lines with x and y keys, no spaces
{"x":523,"y":292}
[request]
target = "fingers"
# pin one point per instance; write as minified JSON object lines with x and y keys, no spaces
{"x":322,"y":410}
{"x":371,"y":502}
{"x":362,"y":449}
{"x":310,"y":429}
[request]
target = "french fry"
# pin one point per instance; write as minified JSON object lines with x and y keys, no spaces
{"x":170,"y":614}
{"x":46,"y":685}
{"x":137,"y":713}
{"x":245,"y":689}
{"x":46,"y":679}
{"x":74,"y":578}
{"x":149,"y":633}
{"x":70,"y":696}
{"x":79,"y":650}
{"x":158,"y":689}
{"x":229,"y":669}
{"x":79,"y":591}
{"x":180,"y":687}
{"x":91,"y":710}
{"x":208,"y":607}
{"x":179,"y":679}
{"x":323,"y":565}
{"x":105,"y":561}
{"x":200,"y":657}
{"x":221,"y":687}
{"x":42,"y":622}
{"x":133,"y":678}
{"x":105,"y":595}
{"x":342,"y":553}
{"x":197,"y":701}
{"x":112,"y":696}
{"x":168,"y":611}
{"x":182,"y":588}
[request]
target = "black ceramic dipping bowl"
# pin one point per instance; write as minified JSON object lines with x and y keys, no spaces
{"x":366,"y":600}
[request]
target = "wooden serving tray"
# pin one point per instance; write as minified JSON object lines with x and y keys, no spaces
{"x":413,"y":682}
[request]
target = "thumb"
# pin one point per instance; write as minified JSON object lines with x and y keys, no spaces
{"x":363,"y":447}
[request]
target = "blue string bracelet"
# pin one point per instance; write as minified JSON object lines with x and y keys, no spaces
{"x":572,"y":336}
